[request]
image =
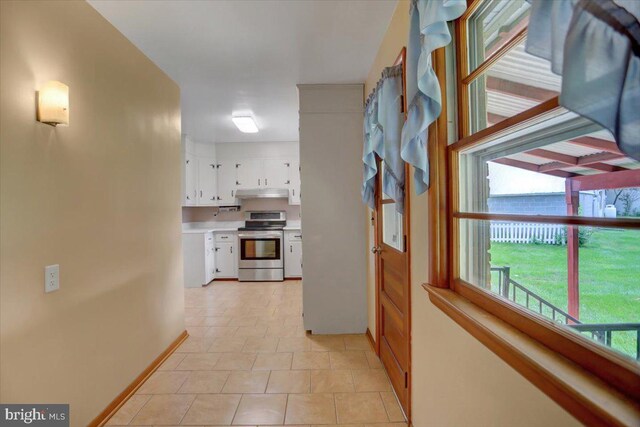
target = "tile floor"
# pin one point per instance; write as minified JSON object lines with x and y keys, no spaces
{"x":249,"y":362}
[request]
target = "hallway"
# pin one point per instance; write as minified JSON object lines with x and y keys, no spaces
{"x":249,"y":362}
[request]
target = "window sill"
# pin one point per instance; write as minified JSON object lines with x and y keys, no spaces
{"x":589,"y":399}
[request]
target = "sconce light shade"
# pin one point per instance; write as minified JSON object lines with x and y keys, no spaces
{"x":53,"y":104}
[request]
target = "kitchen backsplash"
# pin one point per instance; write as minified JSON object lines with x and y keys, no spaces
{"x":207,"y":214}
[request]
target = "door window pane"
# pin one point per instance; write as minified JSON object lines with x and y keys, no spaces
{"x":527,"y":264}
{"x":392,"y":227}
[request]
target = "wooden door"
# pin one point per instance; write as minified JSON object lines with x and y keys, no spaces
{"x":393,"y":295}
{"x":393,"y":285}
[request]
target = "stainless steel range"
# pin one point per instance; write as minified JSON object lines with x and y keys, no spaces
{"x":261,"y":255}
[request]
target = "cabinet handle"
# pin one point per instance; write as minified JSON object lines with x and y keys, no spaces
{"x":265,"y":182}
{"x":293,"y":191}
{"x":200,"y":193}
{"x":188,"y":198}
{"x":231,"y":249}
{"x":237,"y":182}
{"x":231,"y":193}
{"x":291,"y":248}
{"x":258,"y":182}
{"x":224,"y":237}
{"x":288,"y":182}
{"x":300,"y":236}
{"x":213,"y":198}
{"x":219,"y":198}
{"x":217,"y":270}
{"x":217,"y":249}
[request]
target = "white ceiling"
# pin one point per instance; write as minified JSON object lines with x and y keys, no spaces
{"x":234,"y":56}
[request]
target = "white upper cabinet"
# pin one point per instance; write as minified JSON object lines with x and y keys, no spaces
{"x":250,"y":173}
{"x":294,"y":184}
{"x":227,"y":183}
{"x":207,"y":182}
{"x":263,"y":173}
{"x":199,"y":174}
{"x":190,"y":180}
{"x":212,"y":173}
{"x":276,"y":173}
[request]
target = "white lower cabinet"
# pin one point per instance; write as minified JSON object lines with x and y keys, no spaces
{"x":199,"y":259}
{"x":226,"y":255}
{"x":293,"y":254}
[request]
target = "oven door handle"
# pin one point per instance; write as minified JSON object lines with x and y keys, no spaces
{"x":260,"y":236}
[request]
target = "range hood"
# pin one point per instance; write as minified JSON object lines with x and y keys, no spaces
{"x":263,"y":193}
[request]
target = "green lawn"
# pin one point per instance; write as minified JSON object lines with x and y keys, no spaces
{"x":609,"y":277}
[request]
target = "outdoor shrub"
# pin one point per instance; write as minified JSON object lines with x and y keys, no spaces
{"x":584,"y":236}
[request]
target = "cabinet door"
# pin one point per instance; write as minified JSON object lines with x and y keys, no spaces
{"x":190,"y":180}
{"x":209,"y":258}
{"x":276,"y":173}
{"x":226,"y":260}
{"x":293,"y":259}
{"x":207,"y":182}
{"x":249,"y":173}
{"x":294,"y":185}
{"x":226,"y":183}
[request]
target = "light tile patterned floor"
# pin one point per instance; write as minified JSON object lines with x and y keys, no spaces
{"x":249,"y":362}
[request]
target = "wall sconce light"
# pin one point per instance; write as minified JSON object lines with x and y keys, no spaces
{"x":53,"y":104}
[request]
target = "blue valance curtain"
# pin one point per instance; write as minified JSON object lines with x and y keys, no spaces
{"x":595,"y":46}
{"x":383,"y":120}
{"x":385,"y":134}
{"x":428,"y":32}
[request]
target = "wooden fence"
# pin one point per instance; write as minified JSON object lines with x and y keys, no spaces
{"x":524,"y":232}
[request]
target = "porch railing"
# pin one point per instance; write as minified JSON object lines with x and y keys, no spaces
{"x":601,"y":332}
{"x":514,"y":291}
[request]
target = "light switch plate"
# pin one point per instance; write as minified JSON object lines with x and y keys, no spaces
{"x":52,"y":278}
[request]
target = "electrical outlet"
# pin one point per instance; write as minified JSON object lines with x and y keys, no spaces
{"x":51,"y":278}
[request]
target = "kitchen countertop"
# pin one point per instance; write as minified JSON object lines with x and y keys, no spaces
{"x":226,"y":226}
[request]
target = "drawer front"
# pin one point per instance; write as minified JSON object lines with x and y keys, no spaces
{"x":294,"y":236}
{"x":225,"y":237}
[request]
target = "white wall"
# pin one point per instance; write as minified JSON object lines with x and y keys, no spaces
{"x":334,"y":244}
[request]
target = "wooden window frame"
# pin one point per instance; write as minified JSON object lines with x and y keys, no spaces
{"x":617,"y":378}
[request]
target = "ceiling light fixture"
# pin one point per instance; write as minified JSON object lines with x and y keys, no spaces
{"x":245,"y":124}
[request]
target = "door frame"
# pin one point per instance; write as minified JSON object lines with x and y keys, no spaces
{"x":401,"y":59}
